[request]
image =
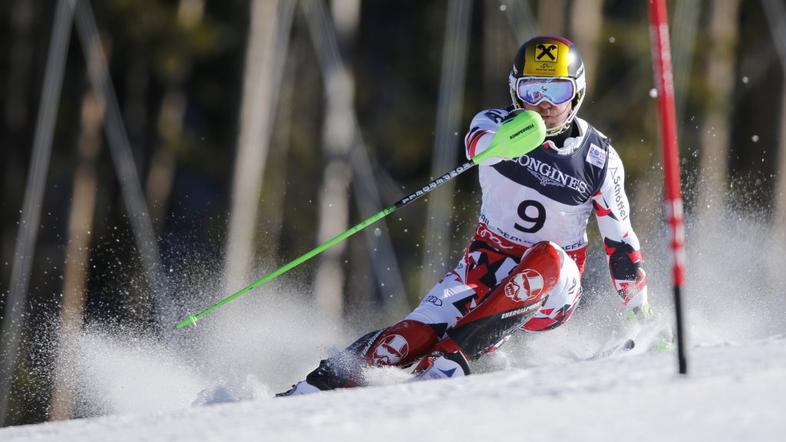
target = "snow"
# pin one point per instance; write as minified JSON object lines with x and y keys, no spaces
{"x":733,"y":392}
{"x":216,"y":381}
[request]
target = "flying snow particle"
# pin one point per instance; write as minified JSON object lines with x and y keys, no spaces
{"x":745,"y":79}
{"x":612,"y":40}
{"x":503,"y":7}
{"x":653,"y":93}
{"x":377,"y":231}
{"x":755,"y":138}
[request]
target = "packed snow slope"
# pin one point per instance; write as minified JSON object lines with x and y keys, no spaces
{"x":733,"y":392}
{"x":215,"y":381}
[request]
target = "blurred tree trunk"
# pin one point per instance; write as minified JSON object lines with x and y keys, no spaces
{"x":360,"y":286}
{"x":775,"y":12}
{"x":16,"y":115}
{"x":274,"y":189}
{"x":686,"y":20}
{"x":779,"y":216}
{"x":253,"y":143}
{"x":328,"y":38}
{"x":170,"y":120}
{"x":162,"y":165}
{"x":152,"y":301}
{"x":29,"y":221}
{"x":716,"y":133}
{"x":80,"y":226}
{"x":551,"y":16}
{"x":337,"y":138}
{"x":586,"y":21}
{"x":333,"y":219}
{"x":498,"y":52}
{"x":448,"y":141}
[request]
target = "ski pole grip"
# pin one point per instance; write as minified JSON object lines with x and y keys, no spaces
{"x":515,"y":137}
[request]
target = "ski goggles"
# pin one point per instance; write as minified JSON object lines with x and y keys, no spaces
{"x":535,"y":90}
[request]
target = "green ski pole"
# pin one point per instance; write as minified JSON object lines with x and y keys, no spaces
{"x":515,"y":137}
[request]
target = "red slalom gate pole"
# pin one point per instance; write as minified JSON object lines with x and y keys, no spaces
{"x":664,"y":81}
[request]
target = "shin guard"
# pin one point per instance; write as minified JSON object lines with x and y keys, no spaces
{"x":402,"y":343}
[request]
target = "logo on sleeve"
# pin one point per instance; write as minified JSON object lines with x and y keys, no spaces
{"x":596,"y":156}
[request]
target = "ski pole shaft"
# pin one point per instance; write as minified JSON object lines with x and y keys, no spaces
{"x":516,"y":136}
{"x":192,"y":318}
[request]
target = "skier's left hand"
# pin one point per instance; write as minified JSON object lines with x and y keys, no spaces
{"x":651,"y":327}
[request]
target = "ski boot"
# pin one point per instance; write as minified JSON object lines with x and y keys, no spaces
{"x":446,"y":362}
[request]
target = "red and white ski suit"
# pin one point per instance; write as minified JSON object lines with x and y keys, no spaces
{"x":545,"y":196}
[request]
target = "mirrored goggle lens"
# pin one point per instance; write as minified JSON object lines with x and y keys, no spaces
{"x":534,"y":92}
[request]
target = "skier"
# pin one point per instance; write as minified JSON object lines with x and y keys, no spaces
{"x":522,"y":270}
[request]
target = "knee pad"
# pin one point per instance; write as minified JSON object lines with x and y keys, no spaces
{"x":537,"y":273}
{"x":561,"y":301}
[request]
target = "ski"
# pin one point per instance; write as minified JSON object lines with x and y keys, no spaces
{"x":619,"y":347}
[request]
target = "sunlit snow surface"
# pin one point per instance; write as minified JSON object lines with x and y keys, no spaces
{"x":216,"y":381}
{"x":734,"y":392}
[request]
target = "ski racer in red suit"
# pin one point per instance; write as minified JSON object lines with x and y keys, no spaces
{"x":522,"y":270}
